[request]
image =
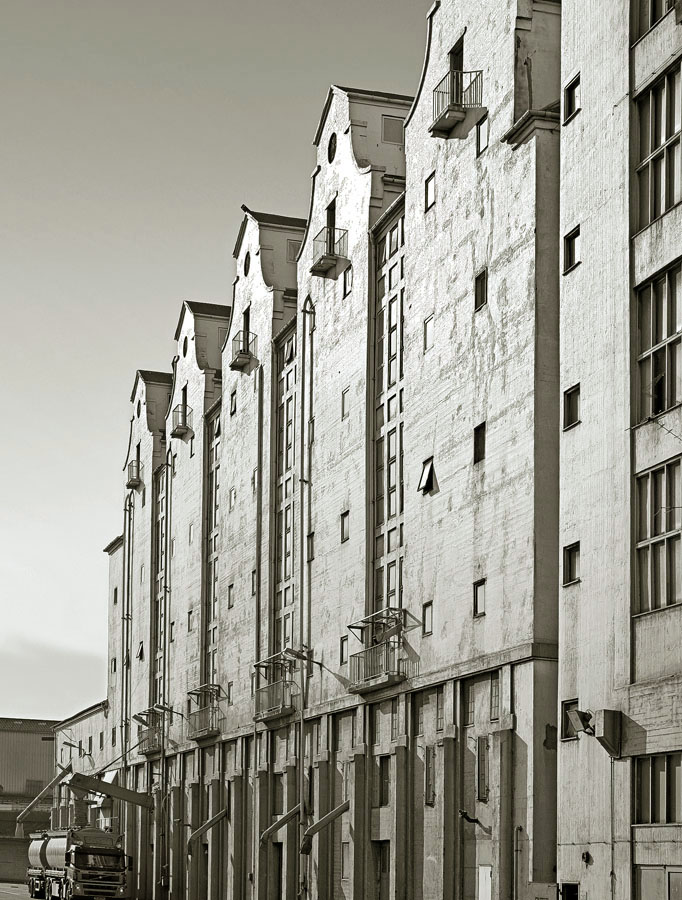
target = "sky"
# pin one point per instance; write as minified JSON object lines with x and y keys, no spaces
{"x":132,"y":132}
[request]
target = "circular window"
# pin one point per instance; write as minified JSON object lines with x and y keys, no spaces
{"x":139,"y":409}
{"x":247,"y":263}
{"x":184,"y":347}
{"x":331,"y":149}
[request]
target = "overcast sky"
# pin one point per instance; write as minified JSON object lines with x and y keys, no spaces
{"x":131,"y":133}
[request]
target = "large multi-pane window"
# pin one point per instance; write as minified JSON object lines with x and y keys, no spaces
{"x":659,"y":172}
{"x":658,"y":789}
{"x":388,"y":417}
{"x":651,"y":12}
{"x":283,"y":618}
{"x":212,"y":547}
{"x":659,"y":520}
{"x":659,"y":319}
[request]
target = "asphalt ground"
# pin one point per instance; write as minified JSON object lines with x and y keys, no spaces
{"x":13,"y":891}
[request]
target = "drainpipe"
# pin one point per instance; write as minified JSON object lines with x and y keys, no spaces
{"x":517,"y":850}
{"x":612,"y":873}
{"x":165,"y":854}
{"x":259,"y":538}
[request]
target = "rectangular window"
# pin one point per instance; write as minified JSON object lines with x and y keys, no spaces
{"x":481,"y":289}
{"x":375,"y":724}
{"x":427,"y":618}
{"x":254,"y":582}
{"x":347,"y":281}
{"x":233,"y":497}
{"x":233,"y":403}
{"x":115,"y":596}
{"x":418,"y":713}
{"x":392,"y":130}
{"x":277,"y":794}
{"x":659,"y":520}
{"x":569,"y":891}
{"x":658,"y":789}
{"x":468,"y":705}
{"x":394,"y":718}
{"x":651,"y":11}
{"x":482,"y":134}
{"x":345,"y":860}
{"x":659,"y":172}
{"x":440,"y":708}
{"x":572,"y":563}
{"x":659,"y":362}
{"x":482,"y":768}
{"x":230,"y":596}
{"x":572,"y":98}
{"x":292,"y":250}
{"x":479,"y":597}
{"x":384,"y":780}
{"x":113,"y":737}
{"x":571,"y":406}
{"x":311,"y":546}
{"x":113,"y":665}
{"x":190,"y":619}
{"x":345,"y":526}
{"x":479,"y":443}
{"x":430,"y":191}
{"x":345,"y":402}
{"x":229,"y":693}
{"x":494,"y":696}
{"x":430,"y":775}
{"x":568,"y":732}
{"x":101,"y":740}
{"x":190,"y":535}
{"x":343,"y":650}
{"x":426,"y":482}
{"x":572,"y":249}
{"x":428,"y":333}
{"x":140,"y":651}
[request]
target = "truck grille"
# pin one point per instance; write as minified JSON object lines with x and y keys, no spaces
{"x":101,"y":885}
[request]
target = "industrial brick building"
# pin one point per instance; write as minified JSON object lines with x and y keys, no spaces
{"x":394,"y":609}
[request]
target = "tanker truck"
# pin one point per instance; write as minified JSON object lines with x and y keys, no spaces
{"x":77,"y":862}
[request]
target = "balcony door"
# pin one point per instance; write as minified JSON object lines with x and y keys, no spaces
{"x":331,"y":226}
{"x":456,"y":69}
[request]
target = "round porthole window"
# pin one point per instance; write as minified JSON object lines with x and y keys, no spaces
{"x":139,"y":409}
{"x":331,"y":149}
{"x":247,"y":263}
{"x":184,"y":347}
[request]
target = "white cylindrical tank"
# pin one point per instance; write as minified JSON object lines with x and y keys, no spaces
{"x":36,"y":853}
{"x":55,"y":851}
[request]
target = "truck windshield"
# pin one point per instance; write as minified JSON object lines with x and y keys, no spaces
{"x":99,"y":860}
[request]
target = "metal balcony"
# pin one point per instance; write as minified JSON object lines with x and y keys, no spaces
{"x":134,"y":474}
{"x":273,"y":700}
{"x":376,"y":667}
{"x":182,"y":420}
{"x":452,"y":97}
{"x":150,"y":740}
{"x":329,"y":248}
{"x":244,"y":350}
{"x":203,"y":723}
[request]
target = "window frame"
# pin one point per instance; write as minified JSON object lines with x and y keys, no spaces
{"x":567,"y":732}
{"x":571,"y":554}
{"x":479,"y":443}
{"x":427,"y":477}
{"x":428,"y":333}
{"x":233,"y":402}
{"x":343,"y":650}
{"x":571,"y":244}
{"x":663,"y":490}
{"x":659,"y":337}
{"x":347,"y":280}
{"x":576,"y":106}
{"x":570,"y":393}
{"x":345,"y":405}
{"x":480,"y":147}
{"x":429,"y":181}
{"x":481,"y":289}
{"x":345,"y":526}
{"x":427,"y":618}
{"x":479,"y":612}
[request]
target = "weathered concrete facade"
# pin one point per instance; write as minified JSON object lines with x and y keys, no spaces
{"x":348,"y":612}
{"x":620,"y":618}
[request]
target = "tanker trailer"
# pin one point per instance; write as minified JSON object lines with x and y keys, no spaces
{"x":78,"y":862}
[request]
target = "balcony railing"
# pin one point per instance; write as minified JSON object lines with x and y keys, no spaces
{"x":150,"y":740}
{"x":379,"y":661}
{"x":203,"y":722}
{"x":273,"y":699}
{"x":182,"y":420}
{"x":244,"y":349}
{"x":134,"y":474}
{"x":330,"y":245}
{"x":454,"y":94}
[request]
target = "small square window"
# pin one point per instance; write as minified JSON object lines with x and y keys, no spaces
{"x":233,"y":403}
{"x":567,"y":730}
{"x":292,"y":250}
{"x":427,"y":479}
{"x":230,"y":596}
{"x":479,"y":443}
{"x":427,"y":618}
{"x":572,"y":563}
{"x":481,"y":289}
{"x":428,"y":333}
{"x":392,"y":130}
{"x":343,"y":650}
{"x":347,"y":281}
{"x":572,"y":406}
{"x":482,"y":135}
{"x":572,"y":98}
{"x":345,"y":402}
{"x":479,"y":597}
{"x":570,"y":891}
{"x":430,"y":191}
{"x":345,"y":526}
{"x":572,"y":249}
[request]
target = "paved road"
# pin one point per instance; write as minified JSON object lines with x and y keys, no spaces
{"x":13,"y":891}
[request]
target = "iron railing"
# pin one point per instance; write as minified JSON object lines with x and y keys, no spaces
{"x":134,"y":473}
{"x":182,"y":418}
{"x":149,"y":739}
{"x":330,"y":242}
{"x":463,"y":89}
{"x":381,"y":659}
{"x":203,"y":721}
{"x":272,"y":698}
{"x":244,"y":343}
